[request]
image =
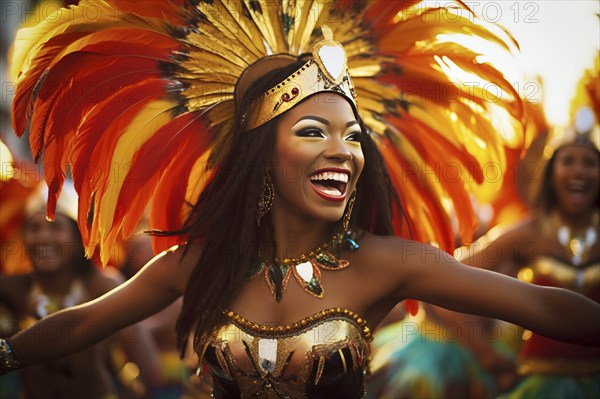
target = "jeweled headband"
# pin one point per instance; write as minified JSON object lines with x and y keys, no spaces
{"x":325,"y":72}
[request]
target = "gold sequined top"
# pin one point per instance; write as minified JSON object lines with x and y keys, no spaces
{"x":321,"y":356}
{"x":558,"y":273}
{"x":541,"y":355}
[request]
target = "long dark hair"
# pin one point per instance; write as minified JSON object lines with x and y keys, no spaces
{"x":223,"y":219}
{"x":82,"y":265}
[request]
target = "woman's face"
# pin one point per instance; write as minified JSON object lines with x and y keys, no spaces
{"x":51,"y":246}
{"x":318,"y":158}
{"x":575,"y":178}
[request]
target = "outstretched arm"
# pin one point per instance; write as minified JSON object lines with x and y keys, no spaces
{"x":545,"y":310}
{"x":71,"y":330}
{"x":433,"y":276}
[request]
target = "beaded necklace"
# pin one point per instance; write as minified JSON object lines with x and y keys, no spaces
{"x":45,"y":304}
{"x":577,"y":243}
{"x":305,"y":267}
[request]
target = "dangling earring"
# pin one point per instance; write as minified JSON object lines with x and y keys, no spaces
{"x":348,"y":212}
{"x":265,"y":200}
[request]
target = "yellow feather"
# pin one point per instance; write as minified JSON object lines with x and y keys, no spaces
{"x":155,"y":115}
{"x":88,"y":16}
{"x":199,"y":176}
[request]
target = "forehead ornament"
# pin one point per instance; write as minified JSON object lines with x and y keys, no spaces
{"x":326,"y":71}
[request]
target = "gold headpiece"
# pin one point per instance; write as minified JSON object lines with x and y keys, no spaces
{"x":584,"y":131}
{"x":325,"y":72}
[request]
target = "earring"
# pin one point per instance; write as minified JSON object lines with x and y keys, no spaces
{"x":348,"y":212}
{"x":265,"y":200}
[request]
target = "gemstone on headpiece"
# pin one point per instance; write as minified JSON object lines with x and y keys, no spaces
{"x":333,"y":59}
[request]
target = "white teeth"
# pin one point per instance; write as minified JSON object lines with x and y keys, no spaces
{"x":332,"y":192}
{"x":335,"y":176}
{"x":577,"y":186}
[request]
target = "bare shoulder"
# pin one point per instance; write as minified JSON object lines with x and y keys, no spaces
{"x":391,"y":251}
{"x":389,"y":257}
{"x":384,"y":264}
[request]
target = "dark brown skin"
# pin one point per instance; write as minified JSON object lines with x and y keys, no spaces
{"x":383,"y":272}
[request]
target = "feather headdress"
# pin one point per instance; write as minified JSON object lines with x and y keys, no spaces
{"x":584,"y":125}
{"x":137,"y":97}
{"x":587,"y":92}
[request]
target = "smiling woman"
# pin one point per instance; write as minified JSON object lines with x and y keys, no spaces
{"x":572,"y":178}
{"x":296,"y":185}
{"x":321,"y":138}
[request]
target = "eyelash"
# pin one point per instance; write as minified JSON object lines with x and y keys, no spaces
{"x":353,"y":137}
{"x":315,"y":132}
{"x":310,"y":132}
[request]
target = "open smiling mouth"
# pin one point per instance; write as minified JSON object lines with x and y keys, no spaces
{"x":577,"y":190}
{"x":330,"y":185}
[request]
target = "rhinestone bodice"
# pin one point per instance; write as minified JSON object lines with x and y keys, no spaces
{"x":324,"y":355}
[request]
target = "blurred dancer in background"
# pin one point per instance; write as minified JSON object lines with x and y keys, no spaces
{"x":61,"y":277}
{"x":556,"y":246}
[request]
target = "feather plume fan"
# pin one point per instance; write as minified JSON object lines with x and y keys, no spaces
{"x":136,"y":97}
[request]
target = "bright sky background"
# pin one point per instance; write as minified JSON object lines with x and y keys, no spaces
{"x":558,"y":40}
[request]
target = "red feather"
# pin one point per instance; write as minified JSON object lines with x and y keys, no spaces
{"x":160,"y":152}
{"x":85,"y":70}
{"x":416,"y":196}
{"x":92,"y":69}
{"x":24,"y":93}
{"x":97,"y":137}
{"x":411,"y":306}
{"x":166,"y":212}
{"x":451,"y":167}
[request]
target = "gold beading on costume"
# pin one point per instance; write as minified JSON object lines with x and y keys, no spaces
{"x":576,"y":242}
{"x":293,"y":328}
{"x":275,"y":361}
